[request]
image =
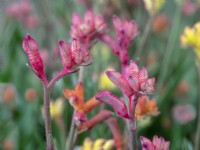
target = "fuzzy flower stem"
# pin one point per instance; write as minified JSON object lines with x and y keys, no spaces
{"x":197,"y":136}
{"x":133,"y":145}
{"x":47,"y":118}
{"x":57,"y":77}
{"x":144,"y":37}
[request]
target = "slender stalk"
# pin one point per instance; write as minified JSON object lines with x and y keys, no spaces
{"x":69,"y":142}
{"x":47,"y":119}
{"x":144,"y":37}
{"x":197,"y":136}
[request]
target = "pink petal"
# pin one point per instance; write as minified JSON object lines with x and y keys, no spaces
{"x":117,"y":23}
{"x":108,"y":98}
{"x":76,"y":19}
{"x":133,"y":69}
{"x":143,"y":74}
{"x":120,"y":81}
{"x":65,"y":53}
{"x":146,"y":144}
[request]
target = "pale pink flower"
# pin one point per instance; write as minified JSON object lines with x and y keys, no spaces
{"x":88,"y":29}
{"x":189,"y":7}
{"x":23,"y":12}
{"x":184,"y":113}
{"x":156,"y":144}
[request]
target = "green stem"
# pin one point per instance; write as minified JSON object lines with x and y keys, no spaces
{"x":197,"y":136}
{"x":69,"y":143}
{"x":169,"y":49}
{"x":144,"y":37}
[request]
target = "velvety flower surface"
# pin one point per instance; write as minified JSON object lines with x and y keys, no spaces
{"x":156,"y":144}
{"x":30,"y":46}
{"x":72,"y":55}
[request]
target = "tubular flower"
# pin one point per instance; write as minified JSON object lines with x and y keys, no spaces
{"x":146,"y":107}
{"x":76,"y":99}
{"x":98,"y":144}
{"x":88,"y":29}
{"x":125,"y":32}
{"x":73,"y":55}
{"x":133,"y":83}
{"x":30,"y":46}
{"x":98,"y":118}
{"x":153,"y":6}
{"x":116,"y":132}
{"x":156,"y":144}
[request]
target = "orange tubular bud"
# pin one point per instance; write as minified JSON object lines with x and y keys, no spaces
{"x":98,"y":118}
{"x":117,"y":135}
{"x":90,"y":104}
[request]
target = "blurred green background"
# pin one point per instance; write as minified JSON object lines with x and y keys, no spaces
{"x":21,"y":120}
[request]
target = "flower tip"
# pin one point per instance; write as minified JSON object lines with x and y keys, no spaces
{"x":61,"y":42}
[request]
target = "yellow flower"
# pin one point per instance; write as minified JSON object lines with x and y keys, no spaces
{"x":153,"y":6}
{"x":191,"y":38}
{"x":56,"y":107}
{"x":104,"y":82}
{"x":99,"y":144}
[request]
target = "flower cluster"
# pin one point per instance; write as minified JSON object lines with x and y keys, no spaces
{"x":133,"y":83}
{"x":125,"y":32}
{"x":191,"y":38}
{"x":88,"y":29}
{"x":73,"y":55}
{"x":22,"y":11}
{"x":156,"y":144}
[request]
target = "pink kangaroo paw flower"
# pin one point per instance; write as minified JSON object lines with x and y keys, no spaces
{"x":120,"y":81}
{"x":118,"y":105}
{"x":30,"y":46}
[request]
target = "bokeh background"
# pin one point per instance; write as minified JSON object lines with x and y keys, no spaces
{"x":21,"y":118}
